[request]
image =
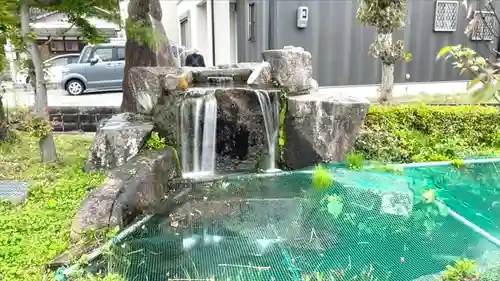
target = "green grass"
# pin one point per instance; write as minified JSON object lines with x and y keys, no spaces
{"x":31,"y":235}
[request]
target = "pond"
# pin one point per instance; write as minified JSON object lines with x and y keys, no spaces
{"x":373,"y":225}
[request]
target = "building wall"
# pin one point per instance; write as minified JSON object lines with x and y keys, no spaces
{"x":339,"y":44}
{"x":169,"y":17}
{"x":198,"y":14}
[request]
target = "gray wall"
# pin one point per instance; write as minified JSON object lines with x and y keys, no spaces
{"x":339,"y":44}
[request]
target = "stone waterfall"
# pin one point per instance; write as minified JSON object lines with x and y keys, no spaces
{"x":215,"y":120}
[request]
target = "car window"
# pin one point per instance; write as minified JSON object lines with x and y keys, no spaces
{"x":72,"y":60}
{"x":120,"y":53}
{"x":85,"y":54}
{"x":58,"y":62}
{"x":105,"y":54}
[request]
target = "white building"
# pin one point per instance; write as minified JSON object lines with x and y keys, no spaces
{"x":169,"y":18}
{"x":210,"y":26}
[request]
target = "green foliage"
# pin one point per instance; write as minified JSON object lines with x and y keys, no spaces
{"x":322,"y":177}
{"x":418,"y":133}
{"x":463,"y":270}
{"x":486,"y":75}
{"x":355,"y":160}
{"x":141,"y":31}
{"x":387,"y":16}
{"x":89,"y":277}
{"x":155,"y":142}
{"x":31,"y":235}
{"x":78,"y":12}
{"x":21,"y":119}
{"x":282,"y":132}
{"x":457,"y":163}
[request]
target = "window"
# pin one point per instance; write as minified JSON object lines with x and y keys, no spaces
{"x":57,"y":46}
{"x":85,"y":54}
{"x":73,"y":60}
{"x":484,"y":30}
{"x":58,"y":62}
{"x":120,"y":53}
{"x":185,"y":33}
{"x":105,"y":54}
{"x":446,"y":15}
{"x":251,"y":22}
{"x":71,"y":46}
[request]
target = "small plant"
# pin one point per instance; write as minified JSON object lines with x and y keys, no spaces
{"x":322,"y":177}
{"x":282,"y":139}
{"x":155,"y":142}
{"x":355,"y":160}
{"x":463,"y":270}
{"x":457,"y":163}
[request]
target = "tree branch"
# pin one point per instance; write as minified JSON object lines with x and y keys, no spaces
{"x":59,"y":34}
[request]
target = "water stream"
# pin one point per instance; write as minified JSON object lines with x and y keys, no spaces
{"x":198,"y":142}
{"x":271,"y":114}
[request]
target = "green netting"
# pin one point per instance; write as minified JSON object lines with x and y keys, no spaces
{"x":367,"y":224}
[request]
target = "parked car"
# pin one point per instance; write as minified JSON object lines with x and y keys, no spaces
{"x":99,"y":68}
{"x":52,"y":66}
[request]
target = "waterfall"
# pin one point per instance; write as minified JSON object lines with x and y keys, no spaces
{"x":198,"y":142}
{"x":271,"y":114}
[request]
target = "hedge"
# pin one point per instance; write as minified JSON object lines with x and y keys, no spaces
{"x":418,"y":133}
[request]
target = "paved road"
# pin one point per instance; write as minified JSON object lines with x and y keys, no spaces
{"x":61,"y":98}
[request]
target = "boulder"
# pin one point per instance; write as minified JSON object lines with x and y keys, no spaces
{"x":291,"y":68}
{"x":321,"y":127}
{"x":135,"y":188}
{"x":149,"y":83}
{"x":117,"y":140}
{"x":240,"y":134}
{"x":16,"y":192}
{"x":261,"y":75}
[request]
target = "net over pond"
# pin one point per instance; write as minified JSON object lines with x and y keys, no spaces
{"x":368,"y":224}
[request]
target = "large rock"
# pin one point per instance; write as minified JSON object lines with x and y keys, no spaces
{"x":291,"y":68}
{"x":150,"y":84}
{"x":240,"y":128}
{"x":117,"y":140}
{"x":261,"y":75}
{"x":132,"y":189}
{"x":321,"y":127}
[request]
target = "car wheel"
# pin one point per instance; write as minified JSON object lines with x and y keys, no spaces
{"x":75,"y":87}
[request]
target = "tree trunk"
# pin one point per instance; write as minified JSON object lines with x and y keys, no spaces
{"x":4,"y":132}
{"x":47,"y":146}
{"x":387,"y":83}
{"x":136,"y":54}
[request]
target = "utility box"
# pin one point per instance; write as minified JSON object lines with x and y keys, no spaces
{"x":302,"y":16}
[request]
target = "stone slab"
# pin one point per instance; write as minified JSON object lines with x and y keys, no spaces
{"x":322,"y":127}
{"x":14,"y":191}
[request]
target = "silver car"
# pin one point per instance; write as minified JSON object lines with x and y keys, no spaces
{"x":100,"y":68}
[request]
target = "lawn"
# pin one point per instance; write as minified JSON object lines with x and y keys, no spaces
{"x":31,"y":235}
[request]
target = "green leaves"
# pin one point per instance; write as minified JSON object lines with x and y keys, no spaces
{"x":466,"y":60}
{"x":31,"y":235}
{"x":322,"y":177}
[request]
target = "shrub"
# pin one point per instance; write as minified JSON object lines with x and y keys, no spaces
{"x":416,"y":133}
